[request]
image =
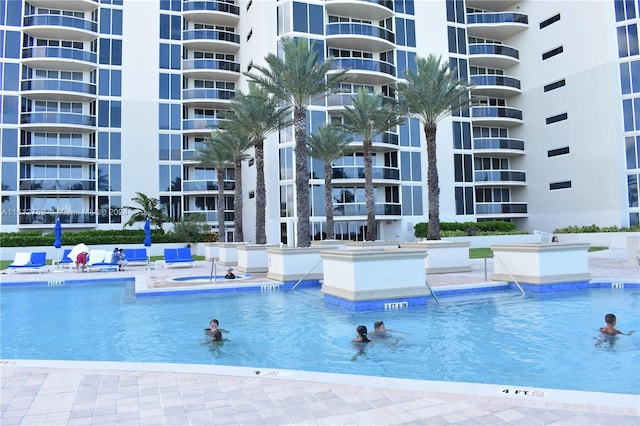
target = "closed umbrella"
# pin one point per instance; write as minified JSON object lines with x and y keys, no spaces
{"x":57,"y":232}
{"x":147,"y":233}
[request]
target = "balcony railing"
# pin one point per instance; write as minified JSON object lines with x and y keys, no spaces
{"x":57,"y":185}
{"x":499,"y":176}
{"x":497,"y":18}
{"x":60,"y":21}
{"x":360,"y":209}
{"x":49,"y":218}
{"x":493,"y":49}
{"x":498,"y":143}
{"x":355,"y":172}
{"x":201,"y":93}
{"x":214,"y":35}
{"x":495,"y":80}
{"x":200,"y":123}
{"x":206,"y":185}
{"x":57,"y":151}
{"x":210,"y":64}
{"x":44,"y":52}
{"x":211,"y":6}
{"x":364,"y":65}
{"x":496,"y":112}
{"x":58,"y":85}
{"x":501,"y":208}
{"x":358,"y":29}
{"x":57,"y":118}
{"x":211,"y":216}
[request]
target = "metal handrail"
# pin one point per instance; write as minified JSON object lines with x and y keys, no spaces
{"x":306,"y":275}
{"x":212,"y":276}
{"x":511,"y":275}
{"x":432,"y":293}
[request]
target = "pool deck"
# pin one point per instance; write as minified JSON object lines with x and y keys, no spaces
{"x":84,"y":393}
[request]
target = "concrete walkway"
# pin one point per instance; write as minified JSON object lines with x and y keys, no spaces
{"x":101,"y":393}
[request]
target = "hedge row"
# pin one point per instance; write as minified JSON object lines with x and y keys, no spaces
{"x":467,"y":228}
{"x":115,"y":237}
{"x":594,"y":228}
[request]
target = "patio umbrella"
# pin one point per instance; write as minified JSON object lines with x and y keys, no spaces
{"x":147,"y":233}
{"x":57,"y":232}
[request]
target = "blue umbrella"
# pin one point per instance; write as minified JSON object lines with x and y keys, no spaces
{"x":147,"y":233}
{"x":57,"y":231}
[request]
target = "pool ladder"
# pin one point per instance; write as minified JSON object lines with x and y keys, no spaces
{"x":432,"y":293}
{"x":510,"y":274}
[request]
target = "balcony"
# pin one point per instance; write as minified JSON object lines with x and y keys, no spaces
{"x":496,"y":116}
{"x":495,"y":86}
{"x":501,"y":209}
{"x":60,"y":27}
{"x":360,"y":209}
{"x":356,"y":172}
{"x":374,"y":10}
{"x":492,"y":55}
{"x":211,"y":40}
{"x":211,"y":69}
{"x":499,"y":178}
{"x":211,"y":216}
{"x":59,"y":57}
{"x":206,"y":185}
{"x":54,"y":152}
{"x":54,"y":89}
{"x":368,"y":71}
{"x":57,"y":185}
{"x":58,"y":120}
{"x":200,"y":97}
{"x":497,"y":5}
{"x":496,"y":26}
{"x":357,"y":36}
{"x":502,"y":146}
{"x":200,"y":125}
{"x":49,"y":219}
{"x":81,"y":5}
{"x":211,"y":12}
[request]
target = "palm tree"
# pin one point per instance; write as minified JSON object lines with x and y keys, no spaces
{"x":328,"y":145}
{"x":297,"y":80}
{"x":370,"y":115}
{"x":149,"y":208}
{"x":259,"y":115}
{"x":430,"y":94}
{"x":215,"y":152}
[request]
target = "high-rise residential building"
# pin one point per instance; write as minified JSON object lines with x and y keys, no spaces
{"x":105,"y":99}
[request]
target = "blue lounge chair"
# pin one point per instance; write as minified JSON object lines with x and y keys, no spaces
{"x":179,"y":256}
{"x":66,"y":260}
{"x":136,"y":255}
{"x":101,"y":259}
{"x":37,"y":260}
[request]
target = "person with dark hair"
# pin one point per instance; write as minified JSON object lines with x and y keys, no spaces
{"x":361,"y":335}
{"x":216,"y":336}
{"x":230,"y":275}
{"x":610,"y":332}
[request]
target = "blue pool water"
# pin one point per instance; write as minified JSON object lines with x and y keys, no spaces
{"x":540,"y":341}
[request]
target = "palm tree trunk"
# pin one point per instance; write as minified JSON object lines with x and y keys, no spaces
{"x":372,"y":232}
{"x":261,"y":202}
{"x":237,"y":201}
{"x":328,"y":201}
{"x":222,"y":232}
{"x":302,"y":177}
{"x":433,"y":183}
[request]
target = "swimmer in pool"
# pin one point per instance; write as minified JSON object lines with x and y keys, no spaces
{"x":214,"y":325}
{"x":379,"y":329}
{"x":609,"y":331}
{"x":361,"y":335}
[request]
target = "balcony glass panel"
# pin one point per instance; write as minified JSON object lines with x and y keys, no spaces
{"x":212,"y":216}
{"x":61,"y":21}
{"x":57,"y":118}
{"x":495,"y":112}
{"x":206,"y":185}
{"x":59,"y":53}
{"x":208,"y":94}
{"x":360,"y":209}
{"x":57,"y":151}
{"x":210,"y":35}
{"x":49,"y":218}
{"x":59,"y":85}
{"x":364,"y":65}
{"x":501,"y":208}
{"x":213,"y":6}
{"x":57,"y":185}
{"x":350,"y":28}
{"x":498,"y":143}
{"x":499,"y":176}
{"x":210,"y":64}
{"x":200,"y":123}
{"x":497,"y":18}
{"x":493,"y":49}
{"x":355,"y":172}
{"x":495,"y":80}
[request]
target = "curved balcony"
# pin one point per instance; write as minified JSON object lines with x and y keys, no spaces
{"x":494,"y":209}
{"x":200,"y":125}
{"x":211,"y":12}
{"x":497,"y":86}
{"x":207,"y":97}
{"x":357,"y":172}
{"x":49,"y":218}
{"x":211,"y":216}
{"x":211,"y":69}
{"x":368,"y":71}
{"x":82,"y":5}
{"x":496,"y":116}
{"x":54,"y":89}
{"x":360,"y":209}
{"x":206,"y":185}
{"x":58,"y":120}
{"x":500,"y":177}
{"x":60,"y":27}
{"x":59,"y":57}
{"x":492,"y":55}
{"x":68,"y":185}
{"x":502,"y":146}
{"x":357,"y":36}
{"x":211,"y":40}
{"x":374,"y":10}
{"x":496,"y":25}
{"x":56,"y":152}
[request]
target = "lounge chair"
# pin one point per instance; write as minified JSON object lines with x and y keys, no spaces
{"x":100,"y":259}
{"x":22,"y":261}
{"x":179,"y":256}
{"x":66,"y":260}
{"x":136,"y":255}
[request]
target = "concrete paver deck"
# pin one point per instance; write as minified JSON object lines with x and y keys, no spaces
{"x":81,"y":393}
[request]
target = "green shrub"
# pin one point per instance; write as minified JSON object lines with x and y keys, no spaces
{"x":594,"y":228}
{"x":461,"y":229}
{"x":95,"y":237}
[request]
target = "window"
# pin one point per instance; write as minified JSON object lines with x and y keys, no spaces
{"x":558,"y":151}
{"x":551,"y":53}
{"x":625,"y":9}
{"x":556,"y":118}
{"x":549,"y":21}
{"x":560,"y":185}
{"x":251,"y":160}
{"x":628,"y":40}
{"x":252,"y":194}
{"x":554,"y":85}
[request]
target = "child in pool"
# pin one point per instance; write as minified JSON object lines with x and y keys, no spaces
{"x":610,"y":332}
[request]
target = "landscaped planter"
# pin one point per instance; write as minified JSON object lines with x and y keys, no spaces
{"x":374,"y":279}
{"x":546,"y":263}
{"x":443,"y":256}
{"x":370,"y":245}
{"x":294,"y":263}
{"x":253,"y":258}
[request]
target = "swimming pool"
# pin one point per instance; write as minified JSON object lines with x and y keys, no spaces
{"x":539,"y":341}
